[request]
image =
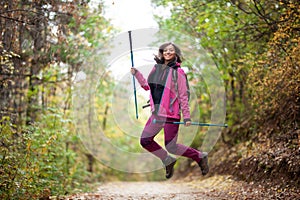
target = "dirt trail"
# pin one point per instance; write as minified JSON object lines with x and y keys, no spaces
{"x":150,"y":190}
{"x":145,"y":191}
{"x":195,"y":188}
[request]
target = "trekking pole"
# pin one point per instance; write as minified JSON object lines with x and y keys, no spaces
{"x":133,"y":80}
{"x":192,"y":123}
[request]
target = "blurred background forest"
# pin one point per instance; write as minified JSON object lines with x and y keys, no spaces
{"x":43,"y":44}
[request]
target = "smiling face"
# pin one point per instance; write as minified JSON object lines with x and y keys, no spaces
{"x":169,"y":53}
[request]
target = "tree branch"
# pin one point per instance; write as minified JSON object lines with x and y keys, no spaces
{"x":21,"y":10}
{"x":16,"y":20}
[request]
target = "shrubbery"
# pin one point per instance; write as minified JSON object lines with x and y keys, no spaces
{"x":38,"y":160}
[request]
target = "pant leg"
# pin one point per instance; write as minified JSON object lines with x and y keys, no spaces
{"x":147,"y":138}
{"x":171,"y":135}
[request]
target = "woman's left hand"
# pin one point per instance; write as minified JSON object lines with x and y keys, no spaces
{"x":187,"y":123}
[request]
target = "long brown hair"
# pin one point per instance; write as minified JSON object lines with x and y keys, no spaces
{"x":160,"y":59}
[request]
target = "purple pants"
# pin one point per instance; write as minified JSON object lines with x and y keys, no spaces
{"x":170,"y":136}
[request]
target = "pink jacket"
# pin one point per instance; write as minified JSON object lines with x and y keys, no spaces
{"x":172,"y":102}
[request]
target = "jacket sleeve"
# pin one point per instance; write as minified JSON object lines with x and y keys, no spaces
{"x":142,"y":81}
{"x":183,"y":95}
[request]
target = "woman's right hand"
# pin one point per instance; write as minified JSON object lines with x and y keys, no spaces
{"x":133,"y":70}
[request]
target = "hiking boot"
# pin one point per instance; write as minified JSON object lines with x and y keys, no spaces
{"x":169,"y":163}
{"x":203,"y":163}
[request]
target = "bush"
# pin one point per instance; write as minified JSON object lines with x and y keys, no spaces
{"x":37,"y":160}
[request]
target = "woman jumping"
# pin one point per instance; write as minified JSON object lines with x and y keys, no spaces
{"x":168,"y":99}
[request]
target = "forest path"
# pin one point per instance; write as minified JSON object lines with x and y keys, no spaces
{"x":211,"y":188}
{"x":149,"y":190}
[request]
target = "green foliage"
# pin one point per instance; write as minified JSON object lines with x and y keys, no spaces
{"x":38,"y":160}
